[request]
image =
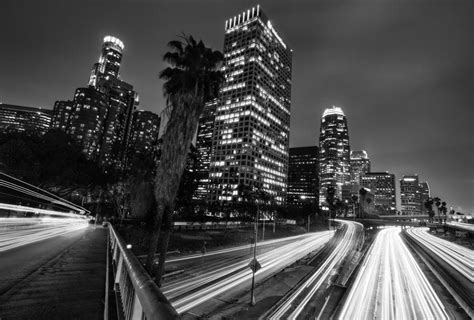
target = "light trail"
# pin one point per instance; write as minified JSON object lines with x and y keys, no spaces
{"x":17,"y":232}
{"x":459,"y":257}
{"x":390,"y":285}
{"x":299,"y":299}
{"x":465,"y":226}
{"x":189,"y":293}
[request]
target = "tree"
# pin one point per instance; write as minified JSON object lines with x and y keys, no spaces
{"x":437,"y":202}
{"x":429,"y":207}
{"x":362,"y":200}
{"x":193,"y":78}
{"x":354,"y":199}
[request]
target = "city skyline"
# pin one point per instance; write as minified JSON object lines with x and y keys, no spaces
{"x":402,"y":59}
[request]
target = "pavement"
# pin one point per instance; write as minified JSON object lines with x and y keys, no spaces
{"x":58,"y":278}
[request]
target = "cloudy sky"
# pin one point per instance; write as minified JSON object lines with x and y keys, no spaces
{"x":402,"y":70}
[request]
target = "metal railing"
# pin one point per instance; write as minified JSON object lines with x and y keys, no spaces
{"x":139,"y":295}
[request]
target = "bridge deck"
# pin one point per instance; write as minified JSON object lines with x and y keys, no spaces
{"x":71,"y":286}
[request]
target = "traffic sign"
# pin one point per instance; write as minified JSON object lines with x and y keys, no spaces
{"x":254,"y":265}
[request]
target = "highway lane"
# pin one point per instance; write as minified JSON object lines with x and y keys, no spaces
{"x":296,"y":304}
{"x":17,"y":232}
{"x":19,"y":261}
{"x":390,"y":285}
{"x":459,"y":257}
{"x":465,"y":226}
{"x":229,"y":272}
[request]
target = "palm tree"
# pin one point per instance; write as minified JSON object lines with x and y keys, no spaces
{"x":362,"y":200}
{"x":193,"y":78}
{"x":437,"y":202}
{"x":354,"y":199}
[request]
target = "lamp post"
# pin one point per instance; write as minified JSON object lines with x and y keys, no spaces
{"x":254,"y":261}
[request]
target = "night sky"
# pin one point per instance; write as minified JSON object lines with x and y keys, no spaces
{"x":402,"y":70}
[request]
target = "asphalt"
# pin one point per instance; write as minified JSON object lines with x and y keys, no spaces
{"x":58,"y":278}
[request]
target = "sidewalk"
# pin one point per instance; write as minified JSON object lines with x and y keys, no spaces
{"x":71,"y":286}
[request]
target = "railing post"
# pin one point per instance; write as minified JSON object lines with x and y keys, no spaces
{"x":119,"y":269}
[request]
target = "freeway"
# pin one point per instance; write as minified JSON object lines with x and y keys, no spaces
{"x":295,"y":305}
{"x":228,"y":270}
{"x":390,"y":285}
{"x":459,"y":257}
{"x":461,"y":225}
{"x":17,"y":232}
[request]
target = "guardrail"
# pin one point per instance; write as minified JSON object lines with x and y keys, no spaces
{"x":140,"y":297}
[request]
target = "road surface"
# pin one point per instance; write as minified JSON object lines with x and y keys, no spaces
{"x":390,"y":285}
{"x":229,"y":270}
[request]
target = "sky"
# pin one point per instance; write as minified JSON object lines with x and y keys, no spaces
{"x":402,"y":70}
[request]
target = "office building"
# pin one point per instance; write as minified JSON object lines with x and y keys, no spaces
{"x":334,"y":153}
{"x":410,"y":195}
{"x":61,"y":114}
{"x":303,"y":183}
{"x":86,"y":122}
{"x":382,"y":185}
{"x":144,"y":132}
{"x":204,"y":148}
{"x":100,"y":115}
{"x":251,"y":131}
{"x":360,"y":165}
{"x":20,"y":118}
{"x":425,"y":195}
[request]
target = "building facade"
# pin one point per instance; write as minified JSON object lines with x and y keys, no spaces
{"x":303,"y":177}
{"x":86,"y":122}
{"x":20,"y":118}
{"x":360,"y":165}
{"x":62,"y":111}
{"x":204,"y":149}
{"x":425,"y":195}
{"x":144,"y":132}
{"x":334,"y":153}
{"x":100,"y":116}
{"x":410,"y":195}
{"x":382,"y":185}
{"x":250,"y":140}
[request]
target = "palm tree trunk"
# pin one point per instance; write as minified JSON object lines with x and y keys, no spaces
{"x":167,"y":227}
{"x":153,"y":236}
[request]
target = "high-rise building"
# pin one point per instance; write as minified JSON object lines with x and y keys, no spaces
{"x":110,"y":58}
{"x":122,"y":102}
{"x":382,"y":185}
{"x":20,"y":118}
{"x":334,"y":152}
{"x":360,"y":165}
{"x":303,"y":178}
{"x":61,"y":114}
{"x":252,"y":125}
{"x":425,"y":195}
{"x":410,"y":195}
{"x":100,"y":116}
{"x":87,"y":119}
{"x":144,"y":133}
{"x":204,"y":147}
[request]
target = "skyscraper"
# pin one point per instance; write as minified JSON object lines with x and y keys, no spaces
{"x":334,"y":152}
{"x":86,"y":122}
{"x":144,"y":132}
{"x":108,"y":66}
{"x":20,"y":118}
{"x":101,"y":114}
{"x":252,"y":125}
{"x":360,"y":165}
{"x":410,"y":195}
{"x":61,"y":114}
{"x":425,"y":195}
{"x":303,"y":179}
{"x":382,"y":185}
{"x":204,"y":148}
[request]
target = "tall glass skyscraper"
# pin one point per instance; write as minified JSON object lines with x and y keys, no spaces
{"x":110,"y":58}
{"x":360,"y":165}
{"x":410,"y":195}
{"x":334,"y":152}
{"x":251,"y":133}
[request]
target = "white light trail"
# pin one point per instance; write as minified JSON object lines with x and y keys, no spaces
{"x":17,"y":232}
{"x":300,"y":298}
{"x":459,"y":257}
{"x":192,"y":292}
{"x":390,"y":285}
